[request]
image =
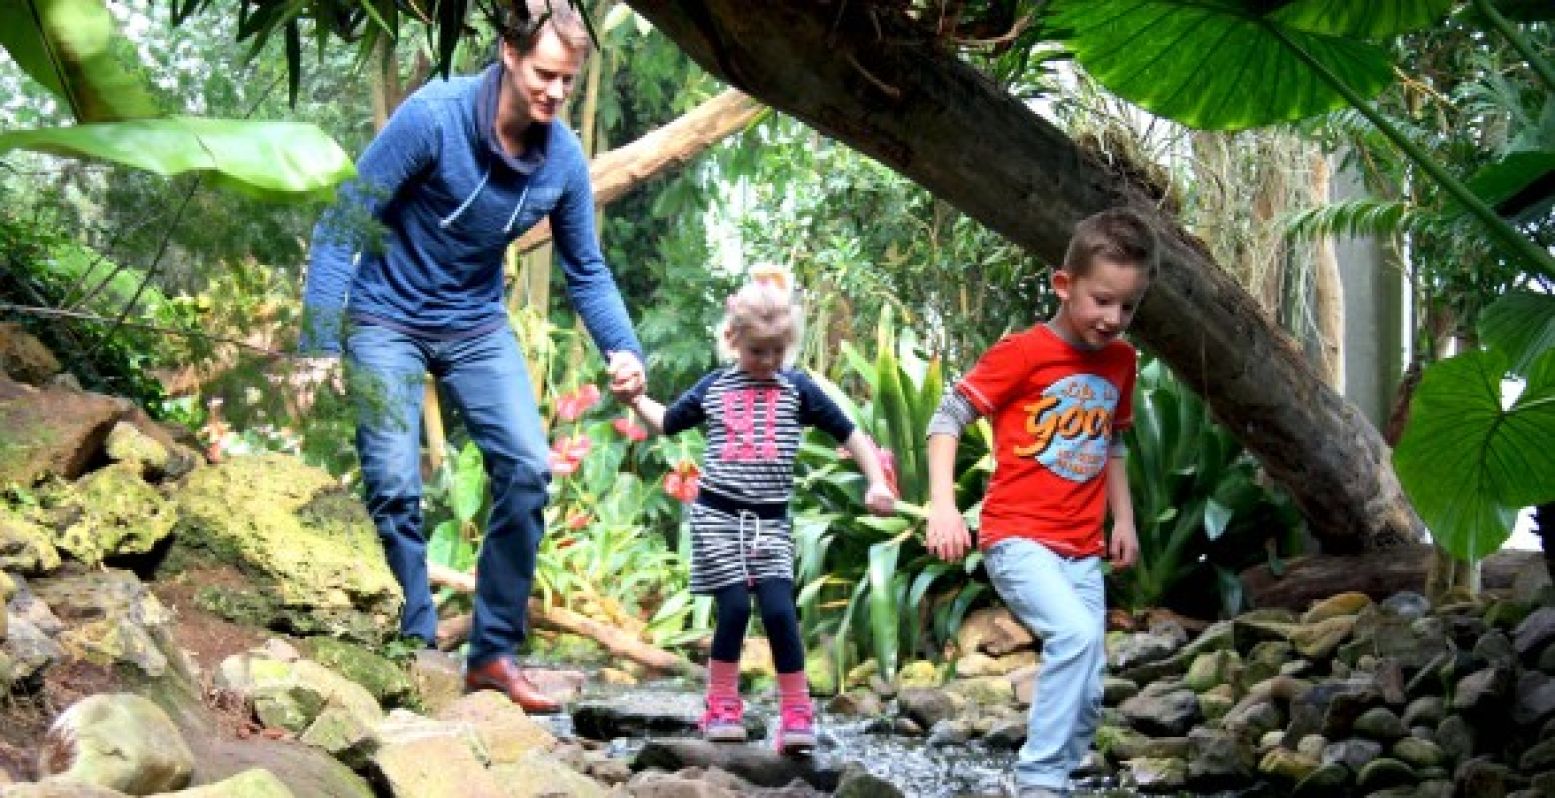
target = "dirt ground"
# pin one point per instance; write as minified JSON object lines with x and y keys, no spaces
{"x":25,"y":715}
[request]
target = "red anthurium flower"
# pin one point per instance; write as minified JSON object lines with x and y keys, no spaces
{"x":888,"y":466}
{"x":629,"y":430}
{"x":572,"y":405}
{"x":682,"y":482}
{"x":577,"y":519}
{"x":567,"y":453}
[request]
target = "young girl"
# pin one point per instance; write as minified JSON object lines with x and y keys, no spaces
{"x":754,"y":412}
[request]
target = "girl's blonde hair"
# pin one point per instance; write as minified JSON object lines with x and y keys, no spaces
{"x":766,"y":304}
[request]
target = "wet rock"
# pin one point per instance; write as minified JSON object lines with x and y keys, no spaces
{"x":1320,"y":640}
{"x":1484,"y":693}
{"x":857,"y":703}
{"x":1379,"y":723}
{"x":983,"y":690}
{"x":1218,"y":759}
{"x":1456,"y":738}
{"x":1424,"y":711}
{"x":1352,"y":753}
{"x":1407,"y":604}
{"x":917,"y":674}
{"x":116,"y":740}
{"x":1140,"y":648}
{"x":1253,"y":719}
{"x":1535,"y":633}
{"x":505,"y":732}
{"x":1419,"y":753}
{"x":1287,"y":765}
{"x":927,"y":707}
{"x":1216,"y":703}
{"x":1006,"y":735}
{"x":1162,"y":709}
{"x":856,"y":782}
{"x":1539,"y":758}
{"x":1482,"y":777}
{"x":949,"y":733}
{"x":1157,"y":775}
{"x":1534,"y":702}
{"x":757,"y":764}
{"x":646,"y":713}
{"x":1115,"y":691}
{"x":1212,"y":669}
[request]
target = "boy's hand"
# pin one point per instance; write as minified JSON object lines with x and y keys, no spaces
{"x":1123,"y":549}
{"x":626,"y":376}
{"x":879,"y":499}
{"x":946,"y":537}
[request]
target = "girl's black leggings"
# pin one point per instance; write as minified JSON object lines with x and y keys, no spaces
{"x":779,"y":617}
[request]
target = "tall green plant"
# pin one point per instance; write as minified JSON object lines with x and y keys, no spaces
{"x":867,"y":584}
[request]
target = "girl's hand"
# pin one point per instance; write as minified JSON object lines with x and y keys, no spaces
{"x":879,"y":499}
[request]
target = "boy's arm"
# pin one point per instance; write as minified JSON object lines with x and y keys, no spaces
{"x":947,"y":536}
{"x":1123,"y":547}
{"x":877,"y":497}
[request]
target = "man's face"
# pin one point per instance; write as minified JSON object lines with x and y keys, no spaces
{"x":1099,"y":306}
{"x":540,"y":81}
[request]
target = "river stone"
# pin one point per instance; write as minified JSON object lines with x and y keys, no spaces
{"x":251,"y":783}
{"x":643,"y":713}
{"x":1379,"y":723}
{"x":1324,"y":782}
{"x":1162,"y":709}
{"x":538,"y":776}
{"x":1407,"y":604}
{"x":1320,"y":640}
{"x":1534,"y":702}
{"x":757,"y":764}
{"x":1287,"y":765}
{"x":859,"y":702}
{"x":1336,"y":605}
{"x":1419,"y":753}
{"x":434,"y":765}
{"x":1140,"y":648}
{"x":342,"y":735}
{"x":983,"y":690}
{"x":1539,"y":758}
{"x":117,"y":740}
{"x":926,"y":707}
{"x":917,"y":674}
{"x":1218,"y":759}
{"x":1215,"y":703}
{"x":1456,"y":738}
{"x":1424,"y":711}
{"x":1535,"y":633}
{"x":1481,"y":776}
{"x":1484,"y":693}
{"x":1383,"y":772}
{"x":1353,"y":753}
{"x":856,"y":782}
{"x":1158,"y":775}
{"x":1115,"y":691}
{"x":1212,"y":669}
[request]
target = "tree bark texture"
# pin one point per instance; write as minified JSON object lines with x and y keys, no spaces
{"x":868,"y":78}
{"x":660,"y":150}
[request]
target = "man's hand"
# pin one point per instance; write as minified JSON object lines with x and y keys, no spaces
{"x":626,"y":376}
{"x":947,"y":537}
{"x":1123,"y":549}
{"x":879,"y":499}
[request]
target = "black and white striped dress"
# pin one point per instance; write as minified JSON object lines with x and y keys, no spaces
{"x":740,"y":530}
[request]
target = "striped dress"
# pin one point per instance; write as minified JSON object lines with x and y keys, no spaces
{"x":740,"y":530}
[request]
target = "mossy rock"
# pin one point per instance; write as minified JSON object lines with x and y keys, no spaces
{"x":387,"y":682}
{"x":107,"y":513}
{"x":308,"y":547}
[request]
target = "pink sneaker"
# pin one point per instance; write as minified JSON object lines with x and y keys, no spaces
{"x":796,"y":729}
{"x":724,"y":720}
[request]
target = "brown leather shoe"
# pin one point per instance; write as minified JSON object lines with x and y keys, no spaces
{"x":502,"y":674}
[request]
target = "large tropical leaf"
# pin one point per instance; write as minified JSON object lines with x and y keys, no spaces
{"x":68,"y":46}
{"x":279,"y":161}
{"x":1520,"y":186}
{"x":1223,"y":64}
{"x":1467,"y":464}
{"x":1365,"y":20}
{"x":1521,"y":324}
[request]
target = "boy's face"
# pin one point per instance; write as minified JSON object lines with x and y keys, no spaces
{"x":1098,"y":307}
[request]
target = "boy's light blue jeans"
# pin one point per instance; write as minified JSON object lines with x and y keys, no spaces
{"x":486,"y":378}
{"x":1064,"y":601}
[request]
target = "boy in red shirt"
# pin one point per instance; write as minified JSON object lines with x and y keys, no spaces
{"x":1059,"y":395}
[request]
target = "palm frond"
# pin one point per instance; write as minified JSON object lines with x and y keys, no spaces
{"x":1363,"y":216}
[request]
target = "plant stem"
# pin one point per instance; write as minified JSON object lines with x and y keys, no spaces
{"x":1503,"y":26}
{"x":1539,"y":260}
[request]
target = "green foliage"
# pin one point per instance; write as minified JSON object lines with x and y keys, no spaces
{"x":866,"y":583}
{"x":1467,"y":462}
{"x":1198,"y":506}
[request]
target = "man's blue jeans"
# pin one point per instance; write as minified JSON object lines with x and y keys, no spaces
{"x":1064,"y":601}
{"x":486,"y":378}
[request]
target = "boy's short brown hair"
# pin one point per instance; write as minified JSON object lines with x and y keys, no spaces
{"x":1118,"y":235}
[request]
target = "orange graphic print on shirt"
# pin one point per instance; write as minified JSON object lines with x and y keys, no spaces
{"x":1070,"y":426}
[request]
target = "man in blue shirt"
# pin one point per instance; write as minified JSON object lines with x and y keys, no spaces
{"x":463,"y":168}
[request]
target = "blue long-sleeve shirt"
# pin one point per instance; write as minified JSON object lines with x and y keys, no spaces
{"x":450,"y":200}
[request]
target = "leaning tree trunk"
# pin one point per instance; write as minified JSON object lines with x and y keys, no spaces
{"x":866,"y":76}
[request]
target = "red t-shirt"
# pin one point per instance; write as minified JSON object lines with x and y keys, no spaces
{"x":1056,"y":409}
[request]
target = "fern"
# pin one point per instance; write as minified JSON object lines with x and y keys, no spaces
{"x":1363,"y":216}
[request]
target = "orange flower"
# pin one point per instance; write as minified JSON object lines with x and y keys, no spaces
{"x":681,"y":483}
{"x":567,"y":453}
{"x":577,"y":519}
{"x":629,"y":430}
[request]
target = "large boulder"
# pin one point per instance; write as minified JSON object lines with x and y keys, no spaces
{"x":109,"y":617}
{"x":116,"y":740}
{"x":52,"y":431}
{"x":307,"y":545}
